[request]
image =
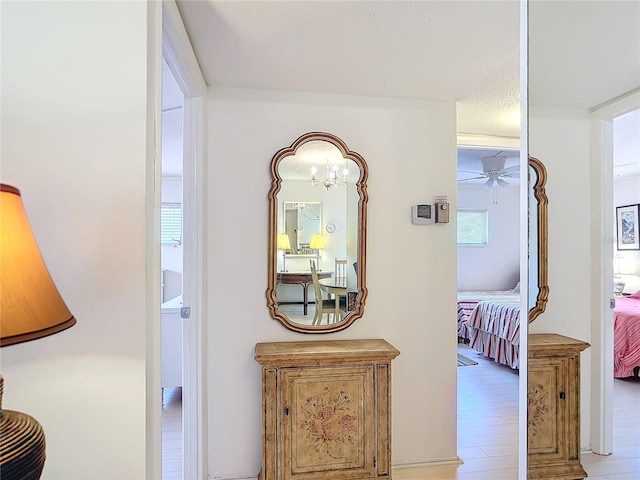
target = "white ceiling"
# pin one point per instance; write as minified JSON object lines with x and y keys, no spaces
{"x":462,"y":51}
{"x":581,"y":53}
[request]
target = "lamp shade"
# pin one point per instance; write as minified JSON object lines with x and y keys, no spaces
{"x":317,"y":243}
{"x":283,"y":242}
{"x":31,"y":305}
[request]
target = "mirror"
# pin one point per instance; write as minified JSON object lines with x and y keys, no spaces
{"x":538,"y":287}
{"x":317,"y":219}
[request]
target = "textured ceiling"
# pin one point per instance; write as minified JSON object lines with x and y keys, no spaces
{"x":462,"y":51}
{"x":581,"y":53}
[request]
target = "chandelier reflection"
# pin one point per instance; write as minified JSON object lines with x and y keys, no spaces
{"x":331,"y":178}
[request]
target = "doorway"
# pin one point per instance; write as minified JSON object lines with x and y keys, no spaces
{"x":626,"y":191}
{"x":178,"y":56}
{"x":603,"y":138}
{"x":172,"y":267}
{"x":626,"y":277}
{"x":488,"y":201}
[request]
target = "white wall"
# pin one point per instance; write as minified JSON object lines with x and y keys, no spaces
{"x":561,"y":140}
{"x":74,"y":86}
{"x":496,"y":266}
{"x":411,"y":300}
{"x":626,"y":191}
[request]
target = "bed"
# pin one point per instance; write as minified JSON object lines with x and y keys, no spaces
{"x":489,"y":321}
{"x":626,"y":335}
{"x":467,"y":301}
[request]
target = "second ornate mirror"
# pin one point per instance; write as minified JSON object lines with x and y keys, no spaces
{"x":317,"y":235}
{"x":538,"y":287}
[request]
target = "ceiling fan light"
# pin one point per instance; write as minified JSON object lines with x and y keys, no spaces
{"x":488,"y":185}
{"x":493,"y":164}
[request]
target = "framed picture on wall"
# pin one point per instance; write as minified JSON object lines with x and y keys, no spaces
{"x":627,"y":227}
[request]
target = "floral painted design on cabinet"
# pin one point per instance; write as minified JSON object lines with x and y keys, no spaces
{"x":537,"y":407}
{"x":329,"y":421}
{"x":327,"y":424}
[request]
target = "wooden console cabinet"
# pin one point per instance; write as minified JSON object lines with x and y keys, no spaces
{"x":326,"y":409}
{"x":553,"y":410}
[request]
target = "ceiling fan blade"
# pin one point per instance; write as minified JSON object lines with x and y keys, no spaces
{"x":511,"y":175}
{"x":502,"y":184}
{"x":471,"y":178}
{"x":469,"y":171}
{"x":514,"y":169}
{"x":488,"y":185}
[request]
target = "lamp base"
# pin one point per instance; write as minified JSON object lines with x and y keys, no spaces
{"x":618,"y":286}
{"x":22,"y":445}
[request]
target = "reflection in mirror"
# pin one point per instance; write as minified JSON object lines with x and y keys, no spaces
{"x":317,"y":218}
{"x":301,"y":225}
{"x":538,"y":287}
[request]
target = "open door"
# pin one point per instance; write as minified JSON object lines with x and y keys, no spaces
{"x":180,"y":60}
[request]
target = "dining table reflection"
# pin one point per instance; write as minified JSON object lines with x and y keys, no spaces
{"x":301,"y":278}
{"x":337,"y":286}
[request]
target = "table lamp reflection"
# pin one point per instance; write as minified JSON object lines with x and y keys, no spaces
{"x":317,"y":244}
{"x":284,"y":244}
{"x":31,"y":308}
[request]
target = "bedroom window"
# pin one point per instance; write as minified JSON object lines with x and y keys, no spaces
{"x":473,"y":228}
{"x":171,"y":224}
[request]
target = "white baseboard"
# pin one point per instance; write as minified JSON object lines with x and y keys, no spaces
{"x":414,"y":469}
{"x":410,"y":470}
{"x":232,"y":476}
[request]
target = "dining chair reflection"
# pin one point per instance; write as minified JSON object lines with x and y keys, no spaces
{"x":340,"y":269}
{"x":329,"y":307}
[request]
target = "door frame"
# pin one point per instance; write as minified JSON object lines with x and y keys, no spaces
{"x":602,"y":267}
{"x":181,"y":60}
{"x":521,"y":145}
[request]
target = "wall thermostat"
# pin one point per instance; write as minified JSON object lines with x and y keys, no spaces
{"x":442,"y":212}
{"x":422,"y":215}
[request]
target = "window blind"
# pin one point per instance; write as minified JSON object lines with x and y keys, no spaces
{"x":473,"y":228}
{"x":171,"y":224}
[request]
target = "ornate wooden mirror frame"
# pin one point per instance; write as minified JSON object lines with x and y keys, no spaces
{"x":540,"y":235}
{"x":356,"y":297}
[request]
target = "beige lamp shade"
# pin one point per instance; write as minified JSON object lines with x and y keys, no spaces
{"x":283,"y":242}
{"x":317,"y":243}
{"x":30,"y":305}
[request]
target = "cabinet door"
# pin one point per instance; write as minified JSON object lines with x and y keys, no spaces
{"x":547,"y":409}
{"x":328,"y":423}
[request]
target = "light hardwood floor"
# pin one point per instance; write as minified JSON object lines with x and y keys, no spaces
{"x":172,"y":434}
{"x":487,"y":430}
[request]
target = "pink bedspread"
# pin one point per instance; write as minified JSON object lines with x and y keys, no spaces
{"x":626,"y":336}
{"x":495,"y":332}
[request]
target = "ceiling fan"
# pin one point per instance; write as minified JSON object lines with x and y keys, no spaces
{"x":494,"y":172}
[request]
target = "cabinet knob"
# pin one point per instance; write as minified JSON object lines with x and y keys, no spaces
{"x":286,"y":411}
{"x":562,"y":395}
